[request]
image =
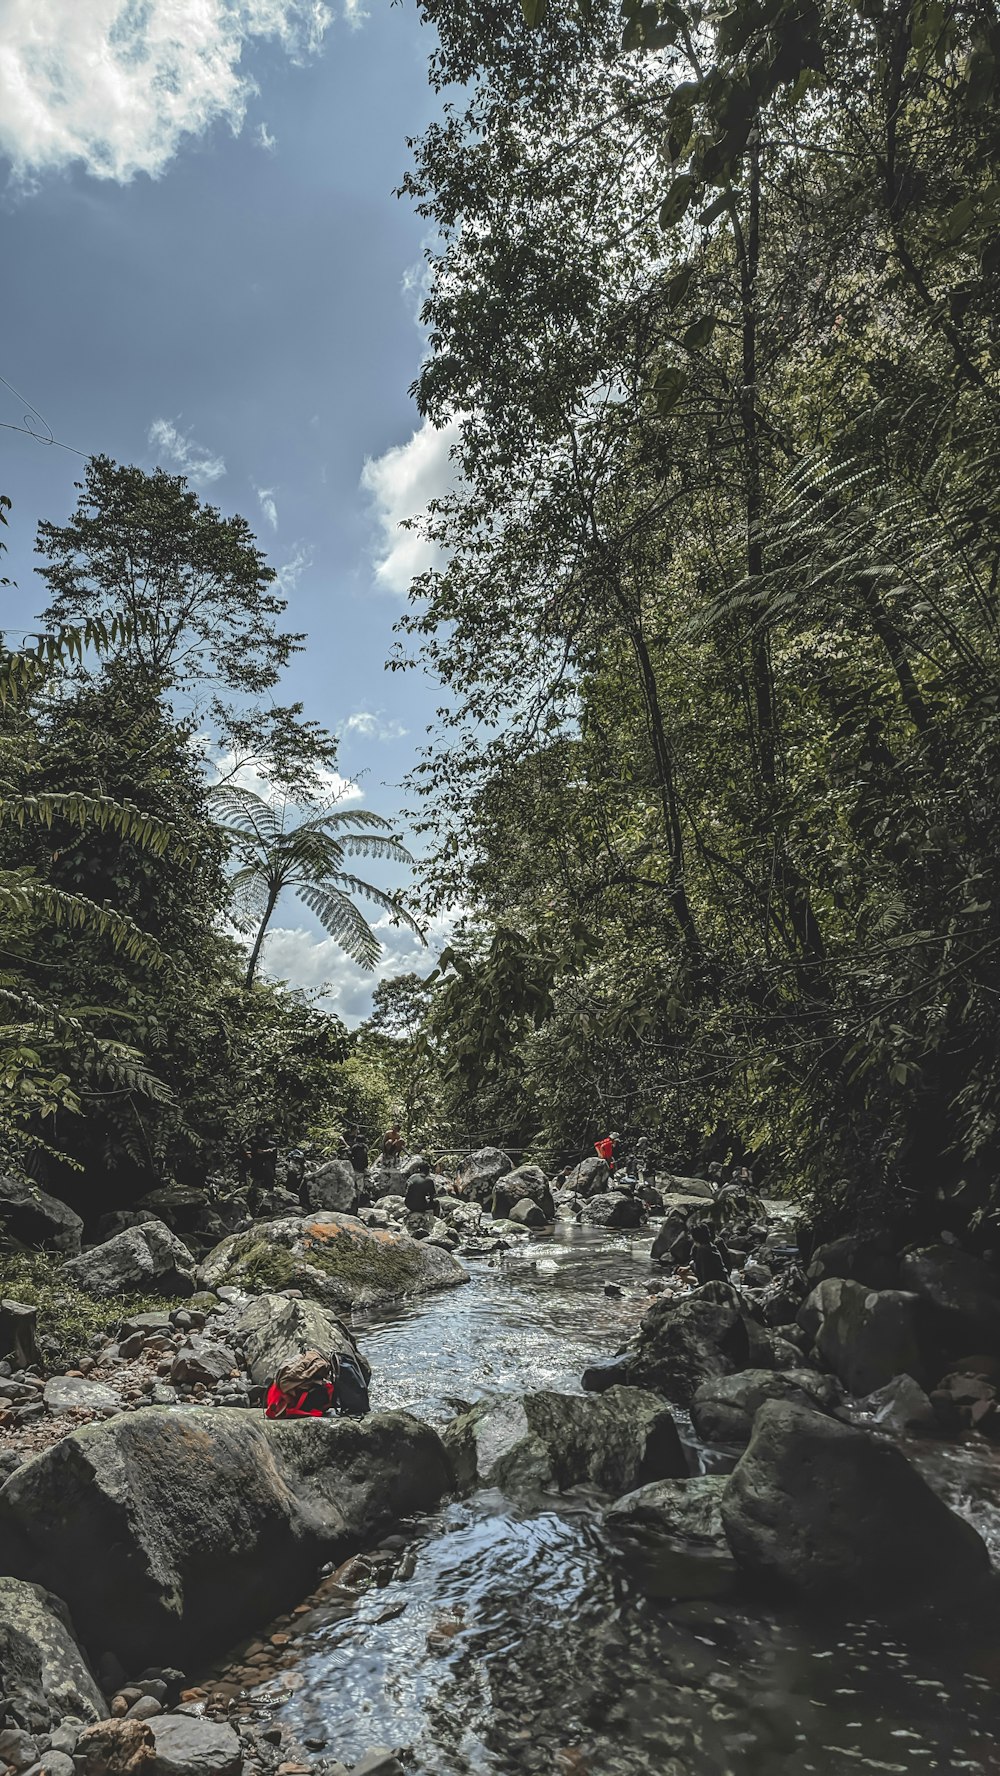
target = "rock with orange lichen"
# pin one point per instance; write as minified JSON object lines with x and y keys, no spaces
{"x":334,"y":1259}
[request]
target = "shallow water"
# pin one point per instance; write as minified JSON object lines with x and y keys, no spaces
{"x":522,"y":1643}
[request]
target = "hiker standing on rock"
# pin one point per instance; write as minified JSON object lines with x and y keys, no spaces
{"x":605,"y":1149}
{"x":393,"y":1146}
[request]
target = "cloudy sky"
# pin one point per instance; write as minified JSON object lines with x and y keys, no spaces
{"x":205,"y":268}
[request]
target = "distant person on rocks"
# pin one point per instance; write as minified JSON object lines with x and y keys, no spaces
{"x":420,"y":1198}
{"x":606,"y":1148}
{"x":258,"y":1165}
{"x":393,"y":1146}
{"x":358,"y":1150}
{"x":711,"y":1258}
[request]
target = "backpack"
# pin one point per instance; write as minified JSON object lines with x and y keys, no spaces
{"x":304,"y":1387}
{"x":351,"y":1390}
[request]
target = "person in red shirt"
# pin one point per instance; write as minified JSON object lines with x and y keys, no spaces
{"x":605,"y":1149}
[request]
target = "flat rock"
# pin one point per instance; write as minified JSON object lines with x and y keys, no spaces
{"x":334,"y":1259}
{"x":75,"y":1393}
{"x":183,"y":1745}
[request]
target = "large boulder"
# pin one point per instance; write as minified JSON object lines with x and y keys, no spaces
{"x":172,"y":1531}
{"x":142,"y":1260}
{"x":45,"y":1675}
{"x":871,"y":1262}
{"x":723,"y":1409}
{"x":31,"y":1217}
{"x":333,"y":1186}
{"x":674,"y":1533}
{"x":527,"y":1181}
{"x":589,"y":1177}
{"x":481,"y":1171}
{"x":685,"y":1341}
{"x":274,"y":1328}
{"x":828,"y":1512}
{"x":180,"y":1206}
{"x":613,"y":1209}
{"x":962,"y":1296}
{"x":526,"y":1443}
{"x":334,"y":1259}
{"x":866,"y":1336}
{"x":526,"y":1213}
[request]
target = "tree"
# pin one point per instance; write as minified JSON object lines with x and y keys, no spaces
{"x":278,"y":846}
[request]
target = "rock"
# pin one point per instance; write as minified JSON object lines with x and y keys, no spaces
{"x":333,"y":1186}
{"x":675,"y":1526}
{"x":116,"y":1748}
{"x":179,"y":1206}
{"x":527,"y":1181}
{"x":962,"y":1295}
{"x":187,"y":1746}
{"x":146,"y":1259}
{"x":866,"y":1336}
{"x":18,"y":1749}
{"x":17,"y":1333}
{"x":481,"y":1171}
{"x":613,"y":1210}
{"x":699,"y":1187}
{"x":45,"y":1675}
{"x":201,"y":1359}
{"x":857,"y":1261}
{"x":274,"y":1328}
{"x":898,"y":1408}
{"x":53,"y":1763}
{"x":589,"y":1177}
{"x":723,"y":1409}
{"x":527,"y":1213}
{"x":526,"y":1443}
{"x":839,"y":1517}
{"x":602,"y":1376}
{"x":772,"y":1350}
{"x":30,"y":1217}
{"x":379,"y":1761}
{"x":170,"y":1530}
{"x":75,"y":1393}
{"x":146,"y":1325}
{"x":686,"y":1340}
{"x":336,"y":1260}
{"x":121,"y":1219}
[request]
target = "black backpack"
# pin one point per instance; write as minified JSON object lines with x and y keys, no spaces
{"x":351,"y":1390}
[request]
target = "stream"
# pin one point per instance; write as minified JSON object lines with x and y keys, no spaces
{"x":521,"y":1642}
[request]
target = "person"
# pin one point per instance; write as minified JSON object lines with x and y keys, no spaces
{"x":258,"y":1165}
{"x":605,"y":1149}
{"x":419,"y":1196}
{"x":393,"y":1146}
{"x":358,"y":1150}
{"x":711,"y":1259}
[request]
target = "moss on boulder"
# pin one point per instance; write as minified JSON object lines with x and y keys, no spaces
{"x":334,"y":1259}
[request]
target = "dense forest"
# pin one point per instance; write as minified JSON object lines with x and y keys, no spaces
{"x":713,"y":794}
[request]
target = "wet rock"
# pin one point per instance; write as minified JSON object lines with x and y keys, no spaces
{"x":274,"y":1328}
{"x":75,"y":1393}
{"x":699,"y":1187}
{"x":900,"y":1408}
{"x":866,"y":1336}
{"x":723,"y":1409}
{"x":148,"y":1259}
{"x":33,"y":1218}
{"x":966,"y":1402}
{"x":527,"y":1181}
{"x":612,"y":1209}
{"x":602,"y":1376}
{"x":686,"y":1340}
{"x":53,"y":1763}
{"x":769,"y":1349}
{"x":836,"y":1516}
{"x":869,"y":1262}
{"x":962,"y":1294}
{"x":183,"y":1745}
{"x":589,"y":1177}
{"x":333,"y":1186}
{"x":17,"y":1333}
{"x":527,"y":1213}
{"x":201,"y":1359}
{"x":527,"y":1443}
{"x":481,"y":1172}
{"x":675,"y":1527}
{"x":45,"y":1675}
{"x":379,"y":1761}
{"x":334,"y":1259}
{"x":170,"y":1531}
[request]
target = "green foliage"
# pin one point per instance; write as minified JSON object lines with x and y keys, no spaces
{"x":68,"y":1318}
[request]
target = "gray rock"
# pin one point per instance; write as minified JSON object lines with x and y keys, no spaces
{"x":839,"y":1517}
{"x":856,"y":1260}
{"x":481,"y":1171}
{"x":723,"y":1409}
{"x":612,"y":1209}
{"x":675,"y":1527}
{"x":73,"y":1393}
{"x":18,"y":1323}
{"x":187,"y":1746}
{"x":147,"y":1259}
{"x":53,"y":1763}
{"x":202,"y":1359}
{"x":527,"y":1181}
{"x":527,"y":1213}
{"x":899,"y":1408}
{"x":17,"y":1748}
{"x":147,"y":1325}
{"x":685,"y":1341}
{"x":866,"y":1336}
{"x":169,"y":1530}
{"x":33,"y":1218}
{"x":698,"y":1187}
{"x":45,"y":1675}
{"x":331,"y":1187}
{"x":379,"y":1761}
{"x":65,"y":1735}
{"x":589,"y":1177}
{"x":274,"y":1328}
{"x":523,"y":1444}
{"x":334,"y":1259}
{"x":962,"y":1294}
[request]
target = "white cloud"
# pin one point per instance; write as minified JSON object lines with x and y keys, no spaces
{"x":255,"y":776}
{"x":265,"y":139}
{"x":354,"y":14}
{"x":194,"y":461}
{"x":290,"y":572}
{"x":117,"y":85}
{"x":267,"y":505}
{"x":401,"y":484}
{"x":303,"y":959}
{"x":373,"y":726}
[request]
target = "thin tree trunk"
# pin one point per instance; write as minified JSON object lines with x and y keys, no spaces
{"x":272,"y":901}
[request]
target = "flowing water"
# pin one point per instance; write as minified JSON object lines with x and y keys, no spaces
{"x":521,"y":1642}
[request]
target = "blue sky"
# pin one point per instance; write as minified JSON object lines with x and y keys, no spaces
{"x":205,"y":267}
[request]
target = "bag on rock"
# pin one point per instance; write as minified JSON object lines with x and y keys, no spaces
{"x":303,"y":1387}
{"x":351,"y":1390}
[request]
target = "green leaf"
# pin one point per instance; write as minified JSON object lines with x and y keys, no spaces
{"x":534,"y":12}
{"x":697,"y":336}
{"x":677,"y":200}
{"x":725,"y":202}
{"x":677,"y":286}
{"x":668,"y":386}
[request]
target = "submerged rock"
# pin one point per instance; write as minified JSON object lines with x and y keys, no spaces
{"x":45,"y":1674}
{"x":33,"y":1218}
{"x":838,"y":1516}
{"x":673,"y":1529}
{"x":527,"y":1443}
{"x":335,"y":1259}
{"x":146,"y":1259}
{"x":723,"y":1409}
{"x":170,"y":1531}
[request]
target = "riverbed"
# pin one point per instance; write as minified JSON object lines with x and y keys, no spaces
{"x":521,"y":1642}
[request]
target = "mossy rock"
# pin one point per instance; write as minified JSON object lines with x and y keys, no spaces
{"x":335,"y":1259}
